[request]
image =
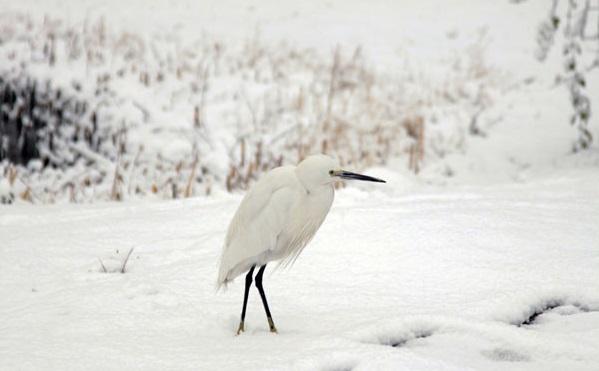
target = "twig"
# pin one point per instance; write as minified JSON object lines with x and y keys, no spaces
{"x":124,"y":266}
{"x":189,"y":188}
{"x":135,"y":161}
{"x":103,"y":266}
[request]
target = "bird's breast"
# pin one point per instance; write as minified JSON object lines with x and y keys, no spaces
{"x":306,"y":217}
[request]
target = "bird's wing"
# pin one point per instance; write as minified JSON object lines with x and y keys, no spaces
{"x":253,"y":232}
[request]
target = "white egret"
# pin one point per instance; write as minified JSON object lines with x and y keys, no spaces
{"x":277,"y":217}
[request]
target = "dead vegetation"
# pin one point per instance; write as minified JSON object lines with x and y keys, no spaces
{"x":208,"y":114}
{"x":117,"y":263}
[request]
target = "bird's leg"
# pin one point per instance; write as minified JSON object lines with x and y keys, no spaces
{"x":248,"y":283}
{"x":271,"y":324}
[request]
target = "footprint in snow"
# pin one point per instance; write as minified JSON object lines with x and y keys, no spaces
{"x":403,"y":340}
{"x":530,"y":315}
{"x":404,"y":336}
{"x":505,"y":355}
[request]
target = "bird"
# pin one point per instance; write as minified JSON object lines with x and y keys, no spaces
{"x":276,"y":219}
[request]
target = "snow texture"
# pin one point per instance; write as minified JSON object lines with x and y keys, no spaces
{"x":488,"y":259}
{"x":434,"y":279}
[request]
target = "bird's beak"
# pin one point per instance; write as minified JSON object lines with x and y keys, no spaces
{"x":349,"y":175}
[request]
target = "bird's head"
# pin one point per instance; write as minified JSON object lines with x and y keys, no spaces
{"x":318,"y":170}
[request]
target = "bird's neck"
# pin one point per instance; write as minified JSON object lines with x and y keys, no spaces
{"x":321,"y":196}
{"x":323,"y":189}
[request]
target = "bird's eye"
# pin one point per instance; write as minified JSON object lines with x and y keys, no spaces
{"x":331,"y":172}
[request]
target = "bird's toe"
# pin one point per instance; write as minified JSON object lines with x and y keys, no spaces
{"x":271,"y":324}
{"x":241,"y":328}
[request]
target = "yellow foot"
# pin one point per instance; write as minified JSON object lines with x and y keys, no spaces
{"x":241,"y":328}
{"x":271,"y":324}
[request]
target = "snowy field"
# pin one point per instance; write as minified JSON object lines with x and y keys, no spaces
{"x":424,"y":280}
{"x":487,"y":259}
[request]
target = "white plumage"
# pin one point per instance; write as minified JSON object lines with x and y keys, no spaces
{"x":278,"y":216}
{"x":276,"y":219}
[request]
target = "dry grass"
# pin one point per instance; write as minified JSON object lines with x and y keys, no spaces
{"x":121,"y":267}
{"x":276,"y":103}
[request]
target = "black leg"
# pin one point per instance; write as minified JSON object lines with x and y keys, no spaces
{"x":248,"y":283}
{"x":271,"y":324}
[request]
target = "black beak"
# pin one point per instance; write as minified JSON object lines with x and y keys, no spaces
{"x":349,"y":175}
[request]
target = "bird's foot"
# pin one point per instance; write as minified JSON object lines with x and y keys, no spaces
{"x":241,"y":328}
{"x":271,"y":324}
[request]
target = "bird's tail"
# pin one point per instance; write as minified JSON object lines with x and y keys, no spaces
{"x":222,"y":280}
{"x":220,"y":286}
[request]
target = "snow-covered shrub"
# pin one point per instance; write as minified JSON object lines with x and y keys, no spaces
{"x":39,"y":122}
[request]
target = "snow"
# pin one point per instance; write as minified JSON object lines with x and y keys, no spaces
{"x":448,"y":276}
{"x":487,"y":259}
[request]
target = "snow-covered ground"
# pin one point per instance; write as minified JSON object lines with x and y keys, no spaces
{"x":487,"y":259}
{"x":447,"y":276}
